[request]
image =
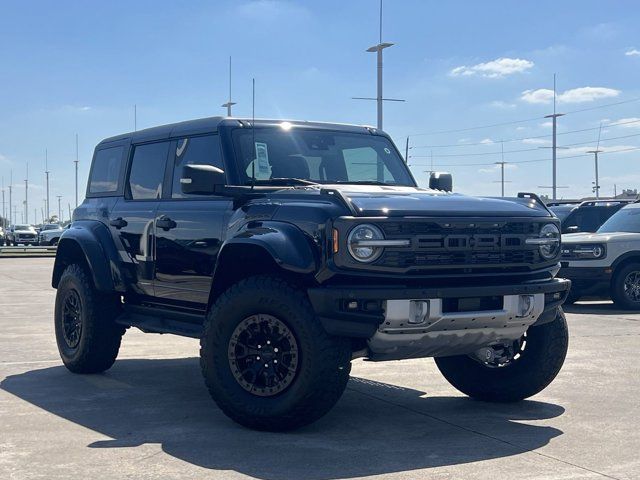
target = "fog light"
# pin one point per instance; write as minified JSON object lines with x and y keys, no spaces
{"x":525,"y":305}
{"x":418,"y":311}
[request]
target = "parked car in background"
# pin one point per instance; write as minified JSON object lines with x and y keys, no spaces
{"x":562,"y":209}
{"x":2,"y":236}
{"x":22,"y":235}
{"x":590,"y":215}
{"x":606,"y":264}
{"x":51,"y":236}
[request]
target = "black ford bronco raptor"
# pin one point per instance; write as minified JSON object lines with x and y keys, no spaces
{"x":291,"y":248}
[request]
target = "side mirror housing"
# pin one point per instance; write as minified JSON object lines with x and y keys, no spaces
{"x":201,"y":179}
{"x":441,"y":181}
{"x":571,"y":229}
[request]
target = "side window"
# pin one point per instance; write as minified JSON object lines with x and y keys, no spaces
{"x":147,"y":170}
{"x":194,"y":150}
{"x":105,"y":170}
{"x":363,"y":164}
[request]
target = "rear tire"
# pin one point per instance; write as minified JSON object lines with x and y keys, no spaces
{"x":538,"y":365}
{"x":314,"y":372}
{"x":625,"y":287}
{"x":88,"y":338}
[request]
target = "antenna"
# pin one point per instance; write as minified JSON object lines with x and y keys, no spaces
{"x":253,"y":132}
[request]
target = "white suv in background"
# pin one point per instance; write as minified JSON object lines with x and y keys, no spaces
{"x":606,"y":264}
{"x":51,"y":236}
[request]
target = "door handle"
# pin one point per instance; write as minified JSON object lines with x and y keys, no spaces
{"x":165,"y":223}
{"x":118,"y":223}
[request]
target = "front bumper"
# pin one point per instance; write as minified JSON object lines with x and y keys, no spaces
{"x":332,"y":303}
{"x":594,"y":281}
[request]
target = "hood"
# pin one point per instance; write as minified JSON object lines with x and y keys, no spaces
{"x":382,"y":200}
{"x":599,"y":237}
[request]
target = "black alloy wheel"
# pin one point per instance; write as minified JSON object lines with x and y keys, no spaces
{"x":263,"y":355}
{"x":72,"y":319}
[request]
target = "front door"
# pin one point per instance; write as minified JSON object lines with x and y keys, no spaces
{"x":189,"y":228}
{"x":132,"y":219}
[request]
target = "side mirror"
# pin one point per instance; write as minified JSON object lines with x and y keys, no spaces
{"x":201,"y":179}
{"x":571,"y":229}
{"x":441,"y":181}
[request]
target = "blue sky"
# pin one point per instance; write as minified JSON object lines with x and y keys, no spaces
{"x":79,"y":67}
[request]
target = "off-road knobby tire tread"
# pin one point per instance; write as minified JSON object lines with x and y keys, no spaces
{"x":617,"y":287}
{"x":520,"y":380}
{"x":101,"y":336}
{"x":331,"y":358}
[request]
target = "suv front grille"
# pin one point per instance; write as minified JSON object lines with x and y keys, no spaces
{"x":461,"y":244}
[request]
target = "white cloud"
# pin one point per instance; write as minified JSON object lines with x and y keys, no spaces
{"x":499,"y":67}
{"x":520,"y":129}
{"x":535,"y":141}
{"x":574,"y":95}
{"x":486,"y":141}
{"x":630,"y":122}
{"x":547,"y":124}
{"x":632,"y":52}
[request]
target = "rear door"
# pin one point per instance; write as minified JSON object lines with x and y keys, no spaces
{"x":132,"y":218}
{"x":189,"y":228}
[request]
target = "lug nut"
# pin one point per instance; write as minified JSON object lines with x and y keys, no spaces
{"x":275,"y":350}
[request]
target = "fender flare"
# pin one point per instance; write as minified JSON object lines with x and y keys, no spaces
{"x":288,"y":246}
{"x":92,"y":240}
{"x":624,"y":257}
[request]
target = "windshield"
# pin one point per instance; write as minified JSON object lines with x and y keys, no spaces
{"x":624,"y":220}
{"x":318,"y":156}
{"x":23,"y":227}
{"x":51,"y":226}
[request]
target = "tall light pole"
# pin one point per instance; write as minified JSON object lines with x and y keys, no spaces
{"x":554,"y":121}
{"x":46,"y":173}
{"x":26,"y":196}
{"x":595,"y":152}
{"x":596,"y":186}
{"x":229,"y":103}
{"x":379,"y":98}
{"x":11,"y":217}
{"x":59,"y":209}
{"x":502,"y":164}
{"x":76,"y":162}
{"x":4,"y":212}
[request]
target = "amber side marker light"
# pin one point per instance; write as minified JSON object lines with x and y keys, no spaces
{"x":335,"y":240}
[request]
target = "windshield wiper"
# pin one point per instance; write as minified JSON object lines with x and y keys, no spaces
{"x":286,"y":181}
{"x":362,"y":182}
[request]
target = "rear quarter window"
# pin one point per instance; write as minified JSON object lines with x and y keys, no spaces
{"x":105,"y":171}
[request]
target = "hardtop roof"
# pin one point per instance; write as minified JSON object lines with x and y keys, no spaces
{"x":210,"y":124}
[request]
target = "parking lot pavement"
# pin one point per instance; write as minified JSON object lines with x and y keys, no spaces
{"x":151,"y":417}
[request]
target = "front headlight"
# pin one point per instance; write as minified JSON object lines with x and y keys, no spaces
{"x":548,"y":241}
{"x":362,"y":243}
{"x":589,"y":252}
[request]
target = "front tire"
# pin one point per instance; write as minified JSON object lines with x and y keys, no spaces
{"x":266,"y":359}
{"x":625,"y":287}
{"x":87,"y":336}
{"x":538,"y":364}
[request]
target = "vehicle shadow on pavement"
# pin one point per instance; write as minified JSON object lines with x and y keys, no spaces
{"x":593,"y":308}
{"x":375,"y":429}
